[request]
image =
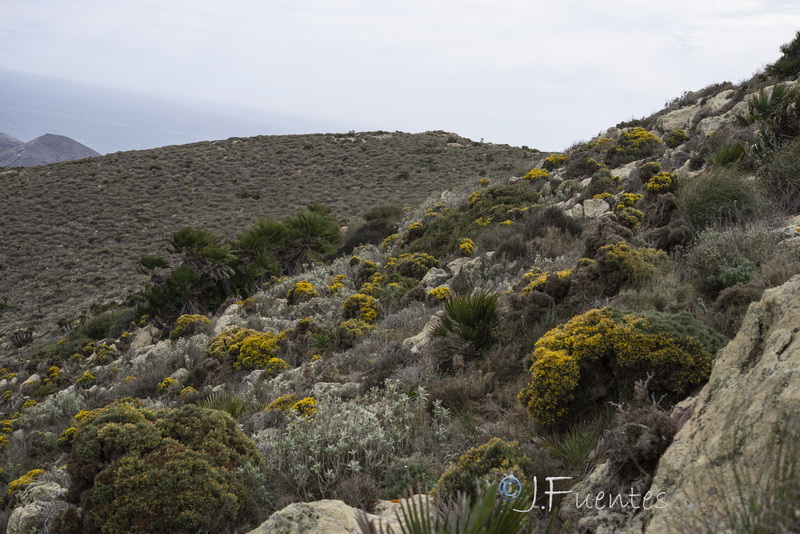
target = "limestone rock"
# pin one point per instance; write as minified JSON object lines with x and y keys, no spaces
{"x":415,"y":343}
{"x":576,"y":212}
{"x":729,"y":425}
{"x":320,"y":517}
{"x":594,"y":207}
{"x":331,"y":517}
{"x":226,"y":320}
{"x":143,"y":337}
{"x":435,"y":277}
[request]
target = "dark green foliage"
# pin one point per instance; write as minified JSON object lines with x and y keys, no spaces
{"x":727,"y":154}
{"x":379,"y":223}
{"x":171,"y":470}
{"x":788,"y":65}
{"x":442,"y":235}
{"x":776,"y":114}
{"x":682,"y":328}
{"x":489,"y":462}
{"x":211,"y":271}
{"x":471,"y":318}
{"x":780,"y":177}
{"x":722,"y":196}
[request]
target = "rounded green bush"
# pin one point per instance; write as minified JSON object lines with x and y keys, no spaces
{"x":489,"y":462}
{"x":170,"y":470}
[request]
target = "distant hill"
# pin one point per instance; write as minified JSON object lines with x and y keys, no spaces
{"x":47,"y":148}
{"x":6,"y":142}
{"x":110,"y":120}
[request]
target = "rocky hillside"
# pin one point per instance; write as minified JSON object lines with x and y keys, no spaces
{"x":78,"y":229}
{"x":616,"y":322}
{"x":48,"y":148}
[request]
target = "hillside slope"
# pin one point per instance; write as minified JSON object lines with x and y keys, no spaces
{"x":78,"y":229}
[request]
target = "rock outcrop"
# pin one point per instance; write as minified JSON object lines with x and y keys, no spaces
{"x":732,"y":425}
{"x":328,"y":517}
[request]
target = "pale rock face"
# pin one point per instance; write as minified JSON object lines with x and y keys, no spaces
{"x":434,"y":278}
{"x":328,"y":517}
{"x":415,"y":343}
{"x":729,"y":426}
{"x":227,"y":319}
{"x":594,"y":207}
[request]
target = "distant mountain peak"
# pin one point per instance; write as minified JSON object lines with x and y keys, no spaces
{"x":47,"y":148}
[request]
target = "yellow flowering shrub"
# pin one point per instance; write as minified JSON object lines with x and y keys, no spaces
{"x":360,"y":306}
{"x":302,"y":291}
{"x":627,"y":200}
{"x":85,"y":381}
{"x":484,"y":182}
{"x":188,"y":392}
{"x":536,"y":173}
{"x":337,"y":283}
{"x":306,"y":407}
{"x":390,"y":240}
{"x":602,"y":352}
{"x":634,"y":265}
{"x":661,"y":183}
{"x":440,"y":293}
{"x":484,"y":221}
{"x":167,"y":383}
{"x":636,"y":139}
{"x":227,"y":342}
{"x":554,"y":161}
{"x":25,"y":480}
{"x":491,"y":462}
{"x":676,"y":138}
{"x":630,"y":217}
{"x":257,"y":351}
{"x":186,"y":325}
{"x":283,"y":403}
{"x":64,"y":441}
{"x":473,"y":198}
{"x":415,"y":264}
{"x":275,"y":365}
{"x":466,"y":246}
{"x":603,"y":196}
{"x":537,"y":278}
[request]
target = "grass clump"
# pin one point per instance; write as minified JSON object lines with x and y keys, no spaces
{"x":722,"y":196}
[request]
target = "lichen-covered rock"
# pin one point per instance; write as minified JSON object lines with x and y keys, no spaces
{"x":595,"y":207}
{"x":331,"y":517}
{"x":729,"y":426}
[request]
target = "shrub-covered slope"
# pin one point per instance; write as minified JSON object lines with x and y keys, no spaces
{"x":542,"y":323}
{"x":73,"y":232}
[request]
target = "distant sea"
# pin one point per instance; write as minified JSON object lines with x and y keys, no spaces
{"x":108,"y":120}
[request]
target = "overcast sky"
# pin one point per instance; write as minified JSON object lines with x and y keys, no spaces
{"x":537,"y":73}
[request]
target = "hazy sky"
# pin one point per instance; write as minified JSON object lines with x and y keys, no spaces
{"x":536,"y":73}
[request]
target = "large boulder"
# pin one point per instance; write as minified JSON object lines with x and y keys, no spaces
{"x":729,"y":429}
{"x":328,"y":517}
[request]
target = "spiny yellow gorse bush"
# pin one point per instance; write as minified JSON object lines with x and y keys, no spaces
{"x":186,"y":324}
{"x":360,"y":306}
{"x":553,"y":161}
{"x":301,"y":292}
{"x":24,"y":480}
{"x":636,"y":265}
{"x":536,"y":173}
{"x":466,"y":246}
{"x":440,"y":293}
{"x":605,"y":344}
{"x":489,"y":462}
{"x":661,"y":183}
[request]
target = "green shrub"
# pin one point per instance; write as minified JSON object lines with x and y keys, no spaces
{"x":489,"y":462}
{"x":187,"y":325}
{"x":780,"y":177}
{"x":676,"y":138}
{"x":722,"y":196}
{"x":634,"y":143}
{"x":360,"y":306}
{"x":788,"y":65}
{"x":621,"y":264}
{"x":171,"y":470}
{"x":601,"y":353}
{"x":727,"y":154}
{"x":415,"y":265}
{"x":471,"y":318}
